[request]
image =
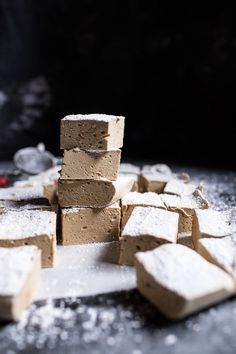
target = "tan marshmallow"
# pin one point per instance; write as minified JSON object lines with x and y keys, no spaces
{"x":19,"y":278}
{"x":153,"y":178}
{"x":213,"y":223}
{"x":30,"y":227}
{"x":33,"y":204}
{"x":153,"y":182}
{"x":179,"y":282}
{"x":92,"y":132}
{"x":133,"y":199}
{"x":46,"y":180}
{"x":180,"y":188}
{"x":147,"y":228}
{"x":221,"y":252}
{"x":79,"y":164}
{"x":92,"y":193}
{"x":87,"y":225}
{"x":22,"y":194}
{"x":185,"y":206}
{"x":127,"y":169}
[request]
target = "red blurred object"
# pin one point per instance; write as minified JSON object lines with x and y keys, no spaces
{"x":3,"y":181}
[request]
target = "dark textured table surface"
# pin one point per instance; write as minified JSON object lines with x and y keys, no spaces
{"x":125,"y":322}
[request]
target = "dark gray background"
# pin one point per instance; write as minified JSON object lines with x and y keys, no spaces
{"x":171,"y":69}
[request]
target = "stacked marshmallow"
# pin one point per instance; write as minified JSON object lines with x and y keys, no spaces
{"x":89,"y":186}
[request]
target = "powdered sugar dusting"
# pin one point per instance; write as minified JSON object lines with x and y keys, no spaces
{"x":182,"y":202}
{"x":147,"y":199}
{"x":215,"y":223}
{"x":15,"y":265}
{"x":77,"y":209}
{"x":153,"y":222}
{"x":179,"y":187}
{"x":95,"y":117}
{"x":223,"y":251}
{"x":27,"y":223}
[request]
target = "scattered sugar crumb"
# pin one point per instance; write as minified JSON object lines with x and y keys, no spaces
{"x":170,"y":339}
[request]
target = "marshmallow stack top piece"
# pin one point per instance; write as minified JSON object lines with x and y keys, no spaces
{"x":92,"y":132}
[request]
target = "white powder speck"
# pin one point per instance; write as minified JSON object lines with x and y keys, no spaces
{"x":137,"y":351}
{"x":111,"y":341}
{"x":170,"y":339}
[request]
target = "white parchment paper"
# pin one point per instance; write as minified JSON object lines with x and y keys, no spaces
{"x":86,"y":270}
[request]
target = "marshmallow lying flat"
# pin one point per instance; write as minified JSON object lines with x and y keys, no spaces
{"x":133,"y":199}
{"x":47,"y":181}
{"x":127,"y":169}
{"x":92,"y":132}
{"x":87,"y":225}
{"x":21,"y":194}
{"x":79,"y":164}
{"x":92,"y":193}
{"x":221,"y":252}
{"x":30,"y":227}
{"x":179,"y":281}
{"x":213,"y":223}
{"x":185,"y":206}
{"x":179,"y":187}
{"x":153,"y":181}
{"x":34,"y":204}
{"x":19,"y":278}
{"x":147,"y":228}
